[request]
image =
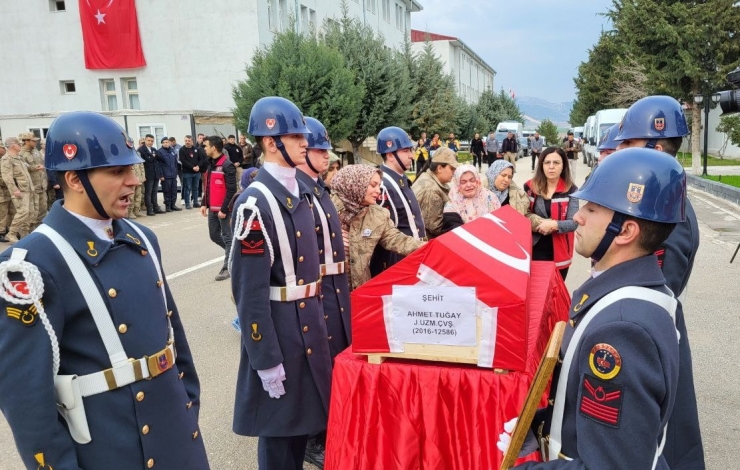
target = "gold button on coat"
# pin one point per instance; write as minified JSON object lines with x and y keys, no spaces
{"x":328,"y":216}
{"x":112,"y":293}
{"x":181,"y":375}
{"x":302,"y":305}
{"x":150,"y":463}
{"x":189,"y":405}
{"x":326,"y":317}
{"x":169,"y":313}
{"x":159,"y":283}
{"x":300,"y":282}
{"x":337,"y":291}
{"x":333,"y":234}
{"x":145,"y":429}
{"x":300,"y":259}
{"x":305,"y":328}
{"x":195,"y":435}
{"x":341,"y":309}
{"x":309,"y":351}
{"x":140,"y":396}
{"x":335,"y":253}
{"x":122,"y":328}
{"x":144,"y":252}
{"x":298,"y":234}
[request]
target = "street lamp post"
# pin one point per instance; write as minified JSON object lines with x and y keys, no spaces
{"x":708,"y":105}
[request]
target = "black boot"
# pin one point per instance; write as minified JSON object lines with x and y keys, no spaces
{"x":168,"y":208}
{"x":158,"y":210}
{"x":175,"y":208}
{"x":150,"y":211}
{"x":315,"y":452}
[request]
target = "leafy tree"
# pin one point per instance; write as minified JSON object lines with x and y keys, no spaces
{"x":686,"y":47}
{"x":496,"y":107}
{"x":549,"y":131}
{"x":307,"y":72}
{"x":435,"y":105}
{"x":469,"y":120}
{"x":730,"y":126}
{"x":377,"y":70}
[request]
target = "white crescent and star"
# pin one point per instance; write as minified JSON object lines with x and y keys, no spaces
{"x":101,"y":16}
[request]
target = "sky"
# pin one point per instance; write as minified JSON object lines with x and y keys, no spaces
{"x":534,"y":46}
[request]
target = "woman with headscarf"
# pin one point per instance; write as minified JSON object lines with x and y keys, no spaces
{"x":355,"y":190}
{"x":468,"y":199}
{"x":551,"y":209}
{"x":501,"y":183}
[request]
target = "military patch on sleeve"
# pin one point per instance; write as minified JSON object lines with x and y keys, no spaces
{"x":601,"y":401}
{"x":26,"y":315}
{"x":605,"y":361}
{"x":254,"y":243}
{"x":660,"y":253}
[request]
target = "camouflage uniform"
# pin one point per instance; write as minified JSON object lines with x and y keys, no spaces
{"x":15,"y":174}
{"x":369,"y":229}
{"x":7,"y":211}
{"x":38,"y":177}
{"x":134,"y":210}
{"x":432,"y":197}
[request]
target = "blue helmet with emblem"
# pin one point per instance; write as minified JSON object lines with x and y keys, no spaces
{"x":83,"y":140}
{"x":317,"y":136}
{"x":393,"y":139}
{"x":607,"y":141}
{"x":275,"y":116}
{"x":641,"y":183}
{"x":653,"y":117}
{"x":636,"y":182}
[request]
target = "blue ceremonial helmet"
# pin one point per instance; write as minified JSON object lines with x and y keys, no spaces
{"x":641,"y":183}
{"x":653,"y":117}
{"x":608,"y":141}
{"x":273,"y":116}
{"x":318,"y":137}
{"x":393,"y":139}
{"x":84,"y":140}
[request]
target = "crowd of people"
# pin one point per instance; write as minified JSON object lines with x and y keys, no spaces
{"x":299,"y":233}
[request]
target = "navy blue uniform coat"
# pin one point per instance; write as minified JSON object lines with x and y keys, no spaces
{"x":334,"y":289}
{"x":644,"y":335}
{"x":291,"y":333}
{"x":383,"y":259}
{"x":169,"y":403}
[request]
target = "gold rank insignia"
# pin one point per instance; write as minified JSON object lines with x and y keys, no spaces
{"x":133,"y":239}
{"x":400,"y":182}
{"x":635,"y":192}
{"x":27,"y":316}
{"x":578,"y":306}
{"x":289,"y":203}
{"x":41,"y":461}
{"x":91,"y":251}
{"x":316,"y":190}
{"x":256,"y":336}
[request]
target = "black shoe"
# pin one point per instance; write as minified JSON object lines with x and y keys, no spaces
{"x":175,"y":208}
{"x":158,"y":210}
{"x":196,"y":205}
{"x":150,"y":212}
{"x":315,"y":454}
{"x":223,"y":275}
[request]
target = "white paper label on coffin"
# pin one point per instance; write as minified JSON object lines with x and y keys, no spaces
{"x":434,"y":315}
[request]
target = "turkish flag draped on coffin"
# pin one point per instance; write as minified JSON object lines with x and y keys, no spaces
{"x":110,"y":32}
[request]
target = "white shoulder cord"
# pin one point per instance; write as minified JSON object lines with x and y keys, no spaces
{"x":328,"y":249}
{"x":241,"y":229}
{"x":35,"y":283}
{"x":409,"y":214}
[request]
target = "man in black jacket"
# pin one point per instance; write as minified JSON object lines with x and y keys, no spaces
{"x":236,"y":155}
{"x":510,"y":147}
{"x":153,"y":174}
{"x":192,"y":160}
{"x":219,"y":188}
{"x":476,"y":148}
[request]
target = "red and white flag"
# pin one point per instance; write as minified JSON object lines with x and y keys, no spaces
{"x":110,"y":31}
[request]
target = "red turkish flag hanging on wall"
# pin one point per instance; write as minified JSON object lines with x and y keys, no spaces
{"x":110,"y":32}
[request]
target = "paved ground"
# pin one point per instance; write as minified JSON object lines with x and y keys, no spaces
{"x":192,"y":261}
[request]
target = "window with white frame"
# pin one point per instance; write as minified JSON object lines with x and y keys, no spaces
{"x":108,"y":96}
{"x":283,"y":16}
{"x":159,"y":131}
{"x":67,"y":87}
{"x":372,"y":6}
{"x":39,"y":132}
{"x":312,"y":21}
{"x":130,"y":90}
{"x":272,"y":15}
{"x":387,"y":11}
{"x":57,"y":5}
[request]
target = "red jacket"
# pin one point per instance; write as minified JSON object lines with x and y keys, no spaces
{"x":562,"y":243}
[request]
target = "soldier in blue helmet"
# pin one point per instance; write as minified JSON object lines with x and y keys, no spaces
{"x":284,"y":375}
{"x":615,"y":390}
{"x":395,"y":147}
{"x":334,"y":268}
{"x":658,"y":122}
{"x":95,"y":368}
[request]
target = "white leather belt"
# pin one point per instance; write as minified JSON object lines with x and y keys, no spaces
{"x":293,"y":293}
{"x":127,"y":373}
{"x":332,"y":269}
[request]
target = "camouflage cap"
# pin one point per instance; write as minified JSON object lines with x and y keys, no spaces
{"x":445,"y":155}
{"x":27,"y":136}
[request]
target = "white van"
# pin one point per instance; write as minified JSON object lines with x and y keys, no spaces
{"x":605,"y":119}
{"x":505,"y":126}
{"x":588,"y":141}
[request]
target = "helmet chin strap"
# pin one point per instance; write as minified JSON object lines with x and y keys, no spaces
{"x":612,"y":230}
{"x":651,"y":143}
{"x":85,"y":180}
{"x":398,"y":159}
{"x":310,"y":165}
{"x":284,"y":153}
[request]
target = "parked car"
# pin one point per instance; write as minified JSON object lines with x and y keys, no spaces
{"x":524,"y":147}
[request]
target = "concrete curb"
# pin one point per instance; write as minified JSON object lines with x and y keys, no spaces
{"x":721,"y":190}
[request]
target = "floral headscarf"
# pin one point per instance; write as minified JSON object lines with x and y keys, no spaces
{"x":350,"y":186}
{"x":492,"y":172}
{"x":482,"y":202}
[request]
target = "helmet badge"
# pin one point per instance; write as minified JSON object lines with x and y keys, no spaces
{"x":129,"y":141}
{"x":659,"y":124}
{"x":270,"y":123}
{"x":70,"y":150}
{"x":635,"y":192}
{"x":389,"y":143}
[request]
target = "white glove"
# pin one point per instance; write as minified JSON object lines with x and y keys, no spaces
{"x":504,"y":439}
{"x":272,"y":380}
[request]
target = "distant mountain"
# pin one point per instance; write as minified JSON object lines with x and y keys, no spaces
{"x":539,"y":109}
